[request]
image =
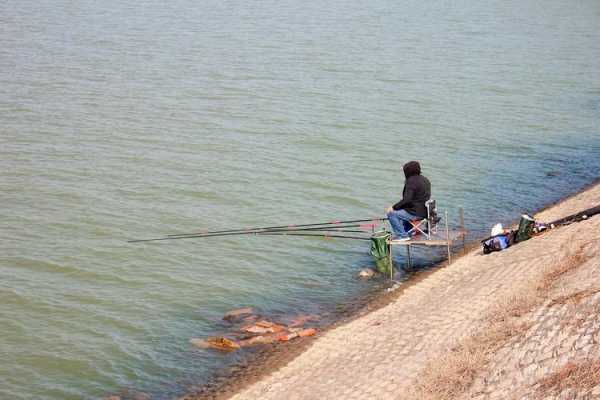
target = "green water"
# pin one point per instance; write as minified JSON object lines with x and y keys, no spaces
{"x":121,"y":121}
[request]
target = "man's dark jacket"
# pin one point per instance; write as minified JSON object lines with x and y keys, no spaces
{"x":417,"y":190}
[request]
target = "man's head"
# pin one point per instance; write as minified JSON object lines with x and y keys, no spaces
{"x":411,"y":168}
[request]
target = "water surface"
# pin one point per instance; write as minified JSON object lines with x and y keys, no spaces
{"x":141,"y":119}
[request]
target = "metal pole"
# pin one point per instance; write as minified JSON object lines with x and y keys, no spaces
{"x":409,"y":260}
{"x":448,"y":238}
{"x":390,"y":260}
{"x":461,"y":215}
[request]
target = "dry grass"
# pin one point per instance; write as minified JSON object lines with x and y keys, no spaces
{"x":583,"y":375}
{"x":569,"y":262}
{"x":573,"y":298}
{"x":454,"y":372}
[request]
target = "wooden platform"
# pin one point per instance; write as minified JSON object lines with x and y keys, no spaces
{"x":435,"y":239}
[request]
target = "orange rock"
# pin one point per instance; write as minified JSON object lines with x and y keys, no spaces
{"x":264,"y":323}
{"x":250,"y":318}
{"x":307,"y":332}
{"x":263,"y":327}
{"x":221,"y":343}
{"x":278,"y":328}
{"x":256,"y":329}
{"x":257,"y":340}
{"x":287,"y":336}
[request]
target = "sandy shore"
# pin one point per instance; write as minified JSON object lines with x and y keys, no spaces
{"x":389,"y":352}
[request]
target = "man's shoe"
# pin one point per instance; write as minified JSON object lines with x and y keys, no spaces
{"x":401,"y":239}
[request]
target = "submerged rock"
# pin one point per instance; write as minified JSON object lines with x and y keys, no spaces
{"x":127,"y":394}
{"x":396,"y":286}
{"x":263,"y":326}
{"x":237,"y":314}
{"x":258,"y":340}
{"x":287,"y":336}
{"x":307,"y":332}
{"x":218,"y":343}
{"x":301,"y":320}
{"x":250,"y":318}
{"x":366,"y":273}
{"x":257,"y":332}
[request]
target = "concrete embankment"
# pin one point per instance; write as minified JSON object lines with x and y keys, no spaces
{"x":521,"y":323}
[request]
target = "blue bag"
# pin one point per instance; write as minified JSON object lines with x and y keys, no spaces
{"x":496,"y":243}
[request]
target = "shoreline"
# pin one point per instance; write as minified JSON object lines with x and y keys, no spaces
{"x":562,"y":200}
{"x":269,"y":359}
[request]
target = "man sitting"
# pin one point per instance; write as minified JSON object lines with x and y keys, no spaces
{"x":417,"y":190}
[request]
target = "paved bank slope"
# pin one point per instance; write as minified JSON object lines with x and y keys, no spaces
{"x":379,"y":355}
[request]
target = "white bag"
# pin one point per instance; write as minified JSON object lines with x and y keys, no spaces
{"x":497,"y":230}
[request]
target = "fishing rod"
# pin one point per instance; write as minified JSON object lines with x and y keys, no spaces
{"x":569,"y":219}
{"x":585,"y":214}
{"x":316,"y":229}
{"x":364,"y":227}
{"x":291,"y":226}
{"x":312,"y":235}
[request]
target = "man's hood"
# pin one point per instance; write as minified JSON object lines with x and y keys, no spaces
{"x":411,"y":168}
